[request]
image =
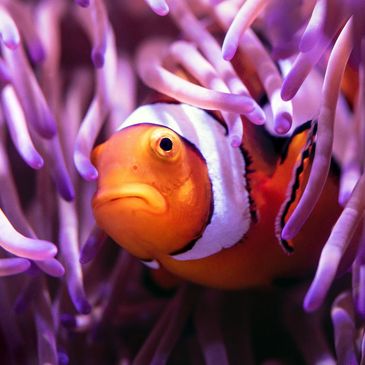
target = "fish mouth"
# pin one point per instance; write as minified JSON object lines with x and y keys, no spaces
{"x":150,"y":195}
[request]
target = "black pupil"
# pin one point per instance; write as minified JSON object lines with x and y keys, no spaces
{"x":166,"y":144}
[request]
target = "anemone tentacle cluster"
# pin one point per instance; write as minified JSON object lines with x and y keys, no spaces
{"x":70,"y":72}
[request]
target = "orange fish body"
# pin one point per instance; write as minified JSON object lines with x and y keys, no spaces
{"x":174,"y":193}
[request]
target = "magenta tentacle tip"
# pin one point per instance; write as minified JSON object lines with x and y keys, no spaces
{"x":287,"y":233}
{"x":98,"y":58}
{"x":228,"y":50}
{"x":66,"y":189}
{"x":34,"y":249}
{"x":60,"y":272}
{"x":22,"y":264}
{"x":12,"y":266}
{"x":84,"y":166}
{"x":309,"y":304}
{"x":82,"y":305}
{"x":52,"y":267}
{"x":235,"y":141}
{"x":49,"y":130}
{"x":83,"y":3}
{"x":88,"y":251}
{"x":92,"y":246}
{"x":261,"y":119}
{"x":37,"y":52}
{"x":162,"y":9}
{"x":36,"y":161}
{"x":283,"y":123}
{"x":51,"y":251}
{"x":257,"y":116}
{"x":63,"y":358}
{"x":344,"y":197}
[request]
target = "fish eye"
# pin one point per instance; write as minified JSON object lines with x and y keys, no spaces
{"x":165,"y":143}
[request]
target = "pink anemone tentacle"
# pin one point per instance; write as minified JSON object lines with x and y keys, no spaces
{"x":247,"y":14}
{"x":322,"y":158}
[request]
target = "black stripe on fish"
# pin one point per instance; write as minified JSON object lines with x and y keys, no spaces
{"x":248,"y":171}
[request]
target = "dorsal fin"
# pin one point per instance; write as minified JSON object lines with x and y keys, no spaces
{"x":299,"y":177}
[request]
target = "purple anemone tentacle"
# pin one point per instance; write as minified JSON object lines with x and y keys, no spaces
{"x":149,"y":66}
{"x":97,"y":113}
{"x":13,"y":266}
{"x":8,"y":30}
{"x":45,"y":327}
{"x":160,"y":7}
{"x":188,"y":56}
{"x":343,"y":319}
{"x":48,"y":18}
{"x":31,"y":97}
{"x":100,"y":21}
{"x":354,"y":150}
{"x":18,"y":129}
{"x":5,"y":77}
{"x":266,"y":69}
{"x":122,"y":104}
{"x":164,"y":335}
{"x":56,"y":166}
{"x":305,"y":62}
{"x":51,"y":267}
{"x":335,"y":247}
{"x":272,"y":82}
{"x":117,"y":285}
{"x":12,"y":207}
{"x":312,"y":32}
{"x":306,"y":329}
{"x":25,"y":297}
{"x":17,"y":244}
{"x":242,"y":21}
{"x":93,"y":245}
{"x":69,"y":246}
{"x":24,"y":18}
{"x":85,"y":140}
{"x":197,"y":33}
{"x":322,"y":158}
{"x":83,"y":3}
{"x":72,"y":113}
{"x":9,"y":326}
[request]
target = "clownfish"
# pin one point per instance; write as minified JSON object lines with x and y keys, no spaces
{"x":174,"y":193}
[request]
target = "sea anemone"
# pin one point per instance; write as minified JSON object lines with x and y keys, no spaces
{"x":70,"y":72}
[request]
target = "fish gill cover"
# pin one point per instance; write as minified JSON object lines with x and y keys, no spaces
{"x":70,"y":72}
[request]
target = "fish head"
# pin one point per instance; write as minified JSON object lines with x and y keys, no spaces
{"x":153,"y":191}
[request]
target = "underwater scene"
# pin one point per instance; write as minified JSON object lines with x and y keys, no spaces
{"x":182,"y":182}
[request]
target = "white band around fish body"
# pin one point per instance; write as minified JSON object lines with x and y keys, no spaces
{"x":226,"y":167}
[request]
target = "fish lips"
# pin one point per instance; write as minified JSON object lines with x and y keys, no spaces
{"x":154,"y":200}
